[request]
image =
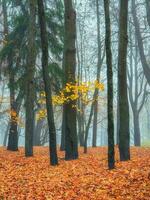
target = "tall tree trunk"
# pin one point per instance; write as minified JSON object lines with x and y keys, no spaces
{"x":80,"y":117}
{"x":87,"y":127}
{"x":148,"y":11}
{"x":62,"y":145}
{"x":46,"y":78}
{"x":124,"y":131}
{"x":71,"y":141}
{"x":111,"y":159}
{"x":98,"y":76}
{"x":145,"y":65}
{"x":135,"y":90}
{"x":30,"y":93}
{"x":137,"y":135}
{"x":6,"y":135}
{"x":37,"y":133}
{"x":118,"y":121}
{"x":13,"y":124}
{"x":13,"y":132}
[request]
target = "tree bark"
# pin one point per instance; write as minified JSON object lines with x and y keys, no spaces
{"x":137,"y":135}
{"x":13,"y":132}
{"x":146,"y":67}
{"x":49,"y":106}
{"x":111,"y":153}
{"x":37,"y":133}
{"x":148,"y":11}
{"x":62,"y":145}
{"x":98,"y":76}
{"x":71,"y":141}
{"x":30,"y":87}
{"x":124,"y":131}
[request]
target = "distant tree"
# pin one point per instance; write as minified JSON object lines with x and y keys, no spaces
{"x":99,"y":65}
{"x":148,"y":11}
{"x":137,"y":89}
{"x":145,"y":65}
{"x":124,"y":130}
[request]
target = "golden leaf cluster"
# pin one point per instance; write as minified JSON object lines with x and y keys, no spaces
{"x":71,"y":93}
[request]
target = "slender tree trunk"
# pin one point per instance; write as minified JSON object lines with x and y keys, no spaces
{"x":94,"y":139}
{"x":137,"y":135}
{"x":87,"y":128}
{"x":111,"y":159}
{"x":71,"y":141}
{"x":124,"y":130}
{"x":118,"y":121}
{"x":37,"y":133}
{"x":62,"y":145}
{"x":6,"y":135}
{"x":13,"y":132}
{"x":50,"y":114}
{"x":98,"y":76}
{"x":13,"y":124}
{"x":80,"y":117}
{"x":30,"y":93}
{"x":148,"y":11}
{"x":145,"y":65}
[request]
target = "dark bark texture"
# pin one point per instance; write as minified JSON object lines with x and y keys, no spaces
{"x":47,"y":83}
{"x":111,"y":152}
{"x":124,"y":130}
{"x":30,"y":86}
{"x":71,"y":141}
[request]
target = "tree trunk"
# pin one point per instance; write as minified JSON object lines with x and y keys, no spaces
{"x":80,"y":117}
{"x":145,"y":65}
{"x":6,"y":135}
{"x":37,"y":133}
{"x":148,"y":11}
{"x":111,"y":153}
{"x":94,"y":139}
{"x":62,"y":145}
{"x":118,"y":121}
{"x":13,"y":124}
{"x":98,"y":76}
{"x":13,"y":132}
{"x":137,"y":135}
{"x":30,"y":90}
{"x":50,"y":114}
{"x":124,"y":134}
{"x":71,"y":141}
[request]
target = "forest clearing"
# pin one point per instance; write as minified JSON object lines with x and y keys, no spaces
{"x":84,"y":179}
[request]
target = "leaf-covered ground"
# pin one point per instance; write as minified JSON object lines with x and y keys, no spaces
{"x":84,"y":179}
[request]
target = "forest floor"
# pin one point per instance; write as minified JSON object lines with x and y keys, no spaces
{"x":84,"y":179}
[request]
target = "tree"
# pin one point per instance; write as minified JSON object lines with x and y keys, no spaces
{"x":13,"y":132}
{"x":71,"y":142}
{"x":30,"y":72}
{"x":124,"y":131}
{"x":111,"y":159}
{"x":99,"y":64}
{"x":46,"y":78}
{"x":148,"y":11}
{"x":137,"y":89}
{"x":145,"y":65}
